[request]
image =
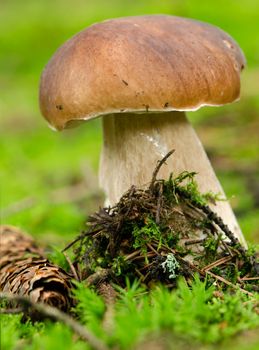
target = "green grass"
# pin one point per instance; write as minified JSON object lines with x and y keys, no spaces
{"x":139,"y":316}
{"x":37,"y":164}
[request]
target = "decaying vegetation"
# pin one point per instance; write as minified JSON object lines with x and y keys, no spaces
{"x":160,"y":233}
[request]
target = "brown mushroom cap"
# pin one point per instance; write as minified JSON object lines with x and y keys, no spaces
{"x":155,"y":63}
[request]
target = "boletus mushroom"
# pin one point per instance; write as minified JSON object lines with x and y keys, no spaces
{"x":141,"y":74}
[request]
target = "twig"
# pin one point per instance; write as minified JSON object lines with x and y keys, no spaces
{"x":194,"y":241}
{"x":152,"y":248}
{"x":72,"y":243}
{"x":159,"y":202}
{"x":146,"y":266}
{"x":69,"y":194}
{"x":132,"y":255}
{"x":227,"y":247}
{"x":143,"y":257}
{"x":15,"y":311}
{"x":221,"y":279}
{"x":211,"y":215}
{"x":141,"y":276}
{"x":249,"y":278}
{"x":157,"y":168}
{"x":55,"y":314}
{"x":146,"y":276}
{"x":18,"y":206}
{"x":97,"y":277}
{"x":73,"y":270}
{"x":217,"y":263}
{"x":109,"y":295}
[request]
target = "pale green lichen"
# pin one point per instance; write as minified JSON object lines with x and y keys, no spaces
{"x":170,"y":265}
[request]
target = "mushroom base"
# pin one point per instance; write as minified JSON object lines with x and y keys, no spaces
{"x":133,"y":144}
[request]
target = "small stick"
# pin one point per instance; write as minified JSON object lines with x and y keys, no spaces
{"x":15,"y":311}
{"x":57,"y":315}
{"x":227,"y":247}
{"x":98,"y":276}
{"x":143,"y":257}
{"x":221,"y":279}
{"x":132,"y":255}
{"x":146,"y":276}
{"x":71,"y":266}
{"x":157,"y":168}
{"x":194,"y":241}
{"x":67,"y":194}
{"x":142,"y":277}
{"x":211,"y":215}
{"x":217,"y":263}
{"x":78,"y":271}
{"x":249,"y":278}
{"x":72,"y":243}
{"x":109,"y":295}
{"x":18,"y":206}
{"x":146,"y":266}
{"x":152,"y":248}
{"x":159,"y":202}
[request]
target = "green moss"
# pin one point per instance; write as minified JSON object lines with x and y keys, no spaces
{"x":145,"y":233}
{"x":165,"y":231}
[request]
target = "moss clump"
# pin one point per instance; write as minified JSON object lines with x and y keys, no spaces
{"x":162,"y":232}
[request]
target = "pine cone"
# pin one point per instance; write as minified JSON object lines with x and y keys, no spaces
{"x":26,"y":272}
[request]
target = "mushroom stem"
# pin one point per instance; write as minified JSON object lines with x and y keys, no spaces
{"x":133,"y":143}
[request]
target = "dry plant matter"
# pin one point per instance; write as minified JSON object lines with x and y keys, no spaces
{"x":160,"y":233}
{"x":25,"y":271}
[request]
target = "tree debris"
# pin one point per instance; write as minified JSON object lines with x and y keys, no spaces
{"x":25,"y":271}
{"x":162,"y":232}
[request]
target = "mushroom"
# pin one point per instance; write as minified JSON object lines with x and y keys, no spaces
{"x":141,"y":74}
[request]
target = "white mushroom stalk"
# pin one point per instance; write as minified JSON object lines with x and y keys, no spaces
{"x":132,"y":145}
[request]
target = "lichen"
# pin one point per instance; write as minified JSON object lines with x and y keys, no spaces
{"x":170,"y":265}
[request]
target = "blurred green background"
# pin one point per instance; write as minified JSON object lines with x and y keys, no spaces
{"x":49,"y":179}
